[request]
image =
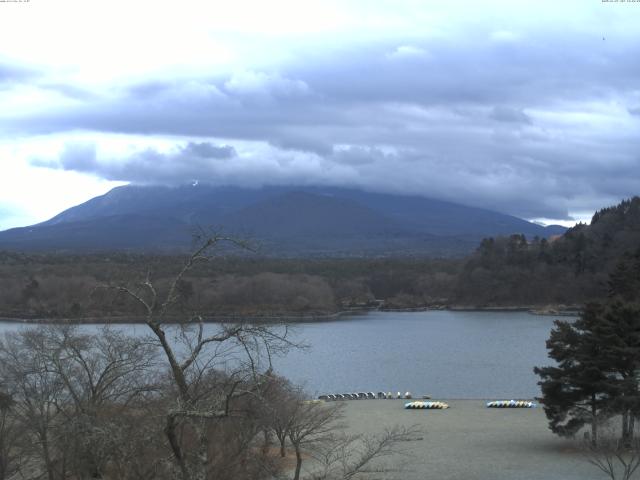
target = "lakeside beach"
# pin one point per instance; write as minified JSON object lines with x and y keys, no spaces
{"x":469,"y":441}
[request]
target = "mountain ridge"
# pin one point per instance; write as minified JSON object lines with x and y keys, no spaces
{"x":294,"y":220}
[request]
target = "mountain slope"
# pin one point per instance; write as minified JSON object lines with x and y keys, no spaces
{"x":444,"y":218}
{"x":113,"y":232}
{"x":287,"y":220}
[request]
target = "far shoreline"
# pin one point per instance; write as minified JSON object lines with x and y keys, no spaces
{"x":289,"y":317}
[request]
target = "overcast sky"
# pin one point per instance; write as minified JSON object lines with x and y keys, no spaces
{"x":532,"y":109}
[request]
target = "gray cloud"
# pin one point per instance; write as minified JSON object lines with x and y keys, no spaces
{"x":508,"y":114}
{"x":70,"y":91}
{"x":186,"y":163}
{"x":301,"y":141}
{"x":440,"y":118}
{"x":11,"y":73}
{"x":207,"y":150}
{"x":149,"y":89}
{"x":15,"y":75}
{"x":526,"y":185}
{"x":358,"y":156}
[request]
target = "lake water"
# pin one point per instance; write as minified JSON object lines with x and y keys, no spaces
{"x":442,"y":353}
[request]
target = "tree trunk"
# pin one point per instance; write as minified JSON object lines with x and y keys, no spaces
{"x":184,"y":394}
{"x":178,"y":374}
{"x":626,"y":439}
{"x":296,"y":475}
{"x":200,"y":428}
{"x":594,"y":422}
{"x":47,"y":458}
{"x":170,"y":432}
{"x":267,"y":441}
{"x":283,"y":451}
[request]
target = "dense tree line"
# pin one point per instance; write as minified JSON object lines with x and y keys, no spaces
{"x":53,"y":286}
{"x":571,"y":269}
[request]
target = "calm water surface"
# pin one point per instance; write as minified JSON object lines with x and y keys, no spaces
{"x":442,"y":353}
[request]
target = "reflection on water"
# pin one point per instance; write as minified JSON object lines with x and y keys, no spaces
{"x":442,"y":353}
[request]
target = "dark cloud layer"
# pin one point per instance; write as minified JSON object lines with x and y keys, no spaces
{"x":193,"y":161}
{"x":207,"y":150}
{"x":11,"y":73}
{"x":534,"y":126}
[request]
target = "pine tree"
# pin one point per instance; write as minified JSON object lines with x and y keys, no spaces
{"x":598,"y":360}
{"x":618,"y":331}
{"x":624,"y":281}
{"x":577,"y":391}
{"x":596,"y":377}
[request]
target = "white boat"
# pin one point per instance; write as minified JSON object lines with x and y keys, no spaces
{"x":426,"y":405}
{"x":511,"y":404}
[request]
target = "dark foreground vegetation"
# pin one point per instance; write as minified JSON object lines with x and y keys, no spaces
{"x":595,"y":380}
{"x":174,"y":403}
{"x":503,"y":272}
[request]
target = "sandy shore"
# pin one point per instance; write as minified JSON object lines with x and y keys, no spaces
{"x":469,"y":441}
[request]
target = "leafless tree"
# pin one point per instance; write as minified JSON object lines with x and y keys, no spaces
{"x":137,"y":443}
{"x":10,"y":435}
{"x":316,"y":431}
{"x":69,"y":391}
{"x":38,"y":394}
{"x":103,"y":374}
{"x":281,"y":401}
{"x":349,"y":457}
{"x":617,"y":458}
{"x":312,"y":424}
{"x":238,"y":350}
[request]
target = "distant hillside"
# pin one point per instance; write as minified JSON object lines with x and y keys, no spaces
{"x":613,"y":232}
{"x":572,"y":269}
{"x":503,"y":271}
{"x":290,"y":221}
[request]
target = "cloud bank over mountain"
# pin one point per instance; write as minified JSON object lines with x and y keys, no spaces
{"x":535,"y":119}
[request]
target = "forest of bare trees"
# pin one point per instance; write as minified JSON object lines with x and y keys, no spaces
{"x":175,"y":400}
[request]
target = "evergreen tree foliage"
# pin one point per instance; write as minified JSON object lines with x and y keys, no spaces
{"x":577,"y":391}
{"x":624,"y":281}
{"x":571,"y":269}
{"x":598,"y":360}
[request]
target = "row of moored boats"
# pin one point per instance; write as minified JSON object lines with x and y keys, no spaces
{"x":494,"y":404}
{"x":367,"y":396}
{"x":421,"y":404}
